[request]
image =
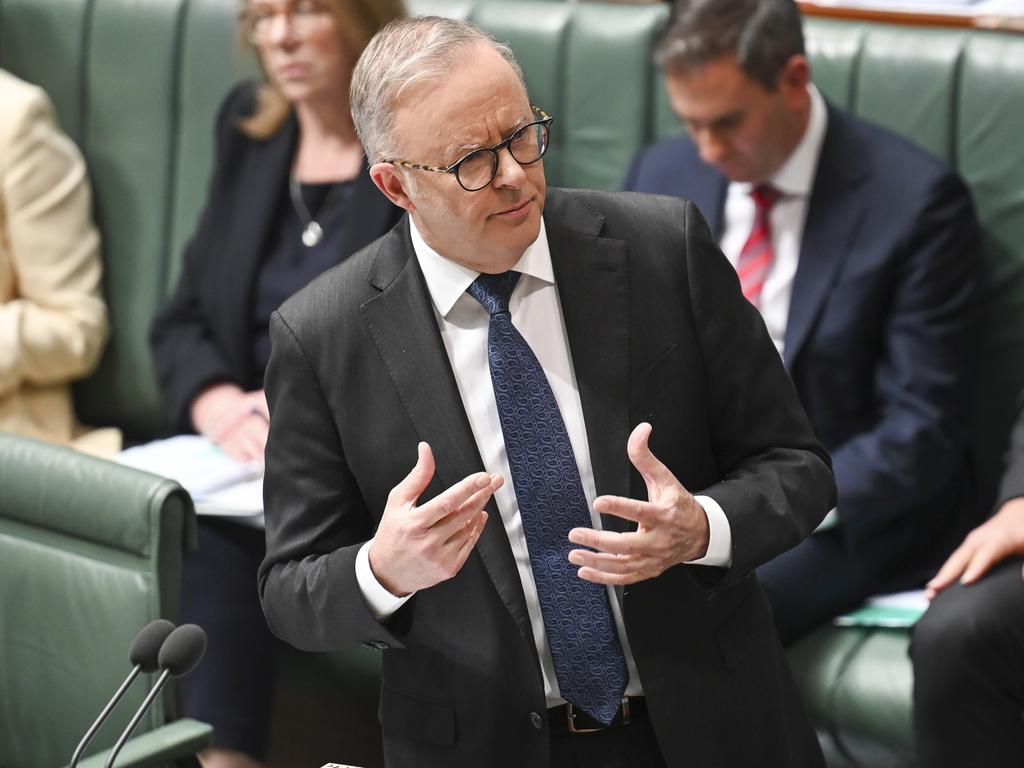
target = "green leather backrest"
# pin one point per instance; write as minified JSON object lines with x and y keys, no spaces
{"x":138,"y":84}
{"x":90,"y":552}
{"x":588,"y":65}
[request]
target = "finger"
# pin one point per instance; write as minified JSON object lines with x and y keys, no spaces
{"x":640,"y":512}
{"x":470,"y":542}
{"x":455,"y":523}
{"x":234,"y":449}
{"x":952,"y":568}
{"x":415,"y":483}
{"x":451,"y":499}
{"x":614,"y":579}
{"x":251,"y":436}
{"x":608,"y":541}
{"x":984,"y":558}
{"x":258,"y":402}
{"x":654,"y":473}
{"x":604,"y":562}
{"x":257,"y":428}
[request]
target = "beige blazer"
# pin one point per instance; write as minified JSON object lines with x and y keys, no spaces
{"x":53,"y":322}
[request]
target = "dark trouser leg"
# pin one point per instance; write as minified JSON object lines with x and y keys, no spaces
{"x":968,"y":654}
{"x":233,"y":687}
{"x":813,"y":583}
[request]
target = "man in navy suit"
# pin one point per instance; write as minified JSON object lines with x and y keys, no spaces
{"x":859,"y":249}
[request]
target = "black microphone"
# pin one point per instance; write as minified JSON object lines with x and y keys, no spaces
{"x":181,"y":652}
{"x":144,"y":656}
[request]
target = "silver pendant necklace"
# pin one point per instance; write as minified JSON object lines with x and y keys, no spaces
{"x":312,"y":232}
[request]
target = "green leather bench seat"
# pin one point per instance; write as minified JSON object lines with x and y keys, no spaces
{"x":138,"y":85}
{"x":90,"y":552}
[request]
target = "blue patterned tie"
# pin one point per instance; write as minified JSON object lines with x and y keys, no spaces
{"x":589,"y":662}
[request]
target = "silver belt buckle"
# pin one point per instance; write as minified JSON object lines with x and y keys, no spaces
{"x":570,"y":716}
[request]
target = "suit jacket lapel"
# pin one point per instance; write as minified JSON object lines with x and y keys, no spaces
{"x":403,"y":325}
{"x":593,"y":288}
{"x":834,"y":214}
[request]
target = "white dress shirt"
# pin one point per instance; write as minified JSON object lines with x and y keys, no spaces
{"x":794,"y":179}
{"x":537,"y":314}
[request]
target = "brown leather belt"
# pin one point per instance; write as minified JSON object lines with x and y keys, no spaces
{"x":569,"y":719}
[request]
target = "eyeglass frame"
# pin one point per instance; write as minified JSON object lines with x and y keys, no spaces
{"x":287,"y":8}
{"x":495,"y":150}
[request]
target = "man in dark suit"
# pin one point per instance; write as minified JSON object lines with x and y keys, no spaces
{"x":968,"y":649}
{"x":859,"y":250}
{"x":538,"y":600}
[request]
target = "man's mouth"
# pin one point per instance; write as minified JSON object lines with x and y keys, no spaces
{"x":519,"y":209}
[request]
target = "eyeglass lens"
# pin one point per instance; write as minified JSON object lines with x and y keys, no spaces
{"x":302,"y":15}
{"x":527,"y":145}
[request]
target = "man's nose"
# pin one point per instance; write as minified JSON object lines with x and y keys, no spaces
{"x":510,"y":172}
{"x":711,"y":147}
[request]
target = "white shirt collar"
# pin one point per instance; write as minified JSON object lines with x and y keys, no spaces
{"x":795,"y":177}
{"x":447,"y":280}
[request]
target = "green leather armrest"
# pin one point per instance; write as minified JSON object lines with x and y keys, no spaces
{"x":168,"y":742}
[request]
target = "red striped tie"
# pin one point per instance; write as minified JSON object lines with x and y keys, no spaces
{"x":757,"y":254}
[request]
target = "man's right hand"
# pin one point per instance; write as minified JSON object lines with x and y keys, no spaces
{"x":419,"y":546}
{"x":988,"y":544}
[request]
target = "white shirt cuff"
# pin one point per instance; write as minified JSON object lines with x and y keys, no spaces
{"x":719,"y":552}
{"x":382,"y":604}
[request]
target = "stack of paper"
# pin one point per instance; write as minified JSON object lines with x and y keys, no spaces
{"x":218,"y":484}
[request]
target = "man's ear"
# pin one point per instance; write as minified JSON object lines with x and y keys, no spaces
{"x":389,"y":181}
{"x":796,"y":73}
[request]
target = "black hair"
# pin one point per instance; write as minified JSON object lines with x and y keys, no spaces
{"x":762,"y":34}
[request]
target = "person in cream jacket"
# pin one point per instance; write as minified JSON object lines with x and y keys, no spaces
{"x":53,"y":321}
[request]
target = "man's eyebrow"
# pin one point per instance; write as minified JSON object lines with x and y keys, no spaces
{"x":716,"y":121}
{"x":464,"y":149}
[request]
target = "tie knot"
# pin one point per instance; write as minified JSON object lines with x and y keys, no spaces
{"x":765,"y":196}
{"x":494,"y":291}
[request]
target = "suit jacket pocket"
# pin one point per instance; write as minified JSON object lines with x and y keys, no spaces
{"x":410,"y":717}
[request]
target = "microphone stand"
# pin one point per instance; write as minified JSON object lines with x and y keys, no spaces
{"x":103,"y":715}
{"x":154,"y":692}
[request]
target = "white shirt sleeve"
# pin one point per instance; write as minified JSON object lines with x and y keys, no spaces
{"x":382,"y":604}
{"x":719,"y":536}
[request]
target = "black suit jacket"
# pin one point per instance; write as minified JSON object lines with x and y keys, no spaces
{"x":878,"y":331}
{"x":203,"y":334}
{"x":658,"y":331}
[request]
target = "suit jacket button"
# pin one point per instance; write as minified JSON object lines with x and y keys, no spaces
{"x":536,"y":720}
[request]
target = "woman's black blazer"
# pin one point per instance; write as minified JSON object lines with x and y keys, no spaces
{"x":203,"y":335}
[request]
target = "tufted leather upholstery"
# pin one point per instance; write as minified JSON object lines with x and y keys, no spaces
{"x":138,"y":84}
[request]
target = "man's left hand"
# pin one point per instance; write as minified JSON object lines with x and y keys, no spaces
{"x":672,"y":525}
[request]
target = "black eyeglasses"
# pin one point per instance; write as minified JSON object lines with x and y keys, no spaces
{"x":478,"y":169}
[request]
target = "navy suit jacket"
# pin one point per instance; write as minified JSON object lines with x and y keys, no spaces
{"x":877,"y":335}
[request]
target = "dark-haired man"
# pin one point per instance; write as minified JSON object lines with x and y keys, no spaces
{"x":859,"y":250}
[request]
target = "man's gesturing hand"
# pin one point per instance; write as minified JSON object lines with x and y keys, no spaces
{"x":673,"y":527}
{"x":418,"y":547}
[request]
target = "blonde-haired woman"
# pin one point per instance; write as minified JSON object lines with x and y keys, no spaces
{"x":289,"y":198}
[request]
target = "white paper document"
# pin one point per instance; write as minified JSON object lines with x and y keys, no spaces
{"x":218,"y":484}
